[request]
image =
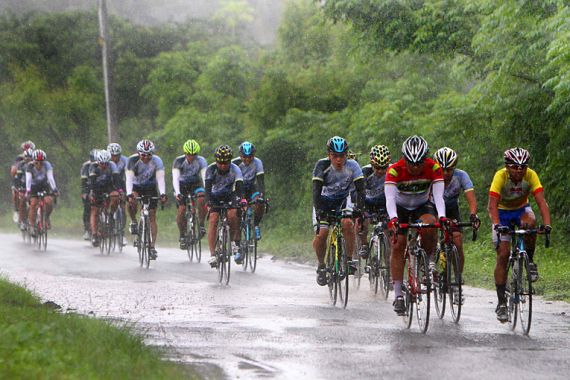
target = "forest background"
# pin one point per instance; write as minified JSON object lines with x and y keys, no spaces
{"x":479,"y":76}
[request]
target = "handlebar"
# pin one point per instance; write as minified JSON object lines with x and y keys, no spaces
{"x":507,"y":230}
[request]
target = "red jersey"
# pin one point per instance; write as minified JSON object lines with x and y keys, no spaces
{"x":413,"y":191}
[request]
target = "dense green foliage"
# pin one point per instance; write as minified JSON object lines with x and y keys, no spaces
{"x":479,"y":76}
{"x":37,"y":342}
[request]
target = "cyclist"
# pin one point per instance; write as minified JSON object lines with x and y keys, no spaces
{"x":39,"y":177}
{"x":508,"y":205}
{"x":375,"y":199}
{"x":224,"y":183}
{"x":455,"y":181}
{"x":84,"y":174}
{"x":121,"y":161}
{"x":253,"y":181}
{"x":13,"y":171}
{"x":145,"y":172}
{"x":413,"y":184}
{"x":332,"y":180}
{"x":19,"y":185}
{"x":188,"y":171}
{"x":103,"y":180}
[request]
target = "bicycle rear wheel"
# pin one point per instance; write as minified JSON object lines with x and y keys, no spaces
{"x":525,"y":295}
{"x":197,"y":242}
{"x":422,"y":290}
{"x":384,"y":267}
{"x":455,"y":289}
{"x":511,"y":294}
{"x":190,"y":236}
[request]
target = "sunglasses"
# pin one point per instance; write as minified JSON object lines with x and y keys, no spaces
{"x":378,"y":167}
{"x":516,"y":166}
{"x":145,"y":155}
{"x":338,"y":155}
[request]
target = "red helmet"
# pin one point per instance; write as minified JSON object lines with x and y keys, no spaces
{"x":39,"y":155}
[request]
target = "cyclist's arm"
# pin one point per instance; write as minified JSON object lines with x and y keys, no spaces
{"x":130,"y":176}
{"x":543,"y":207}
{"x":261,"y":183}
{"x":390,"y":190}
{"x":359,"y":185}
{"x":176,"y":181}
{"x":51,"y":180}
{"x":493,"y":209}
{"x":438,"y":189}
{"x":317,"y":189}
{"x":160,"y":180}
{"x":203,"y":175}
{"x":472,"y":201}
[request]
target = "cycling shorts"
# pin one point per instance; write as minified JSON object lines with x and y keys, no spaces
{"x":149,"y":192}
{"x":412,"y":216}
{"x":511,"y":218}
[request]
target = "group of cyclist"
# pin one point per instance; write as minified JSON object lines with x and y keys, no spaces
{"x":420,"y":188}
{"x":232,"y":183}
{"x":32,"y":175}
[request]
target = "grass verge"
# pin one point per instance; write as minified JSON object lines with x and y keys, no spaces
{"x":38,"y":342}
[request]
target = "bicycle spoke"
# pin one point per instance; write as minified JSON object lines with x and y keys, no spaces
{"x":525,"y":295}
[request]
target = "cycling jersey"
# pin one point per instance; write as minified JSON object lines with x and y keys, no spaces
{"x":221,"y":186}
{"x":122,"y":167}
{"x":373,"y":188}
{"x":185,"y":174}
{"x":411,"y":192}
{"x":19,"y":182}
{"x":103,"y":179}
{"x":336,"y":183}
{"x":459,"y":181}
{"x":145,"y":176}
{"x":40,"y":179}
{"x":512,"y":195}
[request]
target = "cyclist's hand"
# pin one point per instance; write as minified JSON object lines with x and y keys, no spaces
{"x":545,"y":228}
{"x":443,"y":221}
{"x":243,"y":203}
{"x":163,"y":198}
{"x":393,"y":224}
{"x":179,"y":197}
{"x":475,"y":221}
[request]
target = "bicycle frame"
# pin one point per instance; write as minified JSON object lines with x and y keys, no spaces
{"x":222,"y":245}
{"x":193,"y":243}
{"x":144,"y":237}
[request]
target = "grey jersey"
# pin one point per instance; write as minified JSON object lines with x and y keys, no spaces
{"x":459,"y":182}
{"x":251,"y":171}
{"x":189,"y":172}
{"x":39,"y":176}
{"x":374,"y":185}
{"x":336,"y":183}
{"x":102,"y":178}
{"x":144,"y":174}
{"x":223,"y":184}
{"x":122,"y":164}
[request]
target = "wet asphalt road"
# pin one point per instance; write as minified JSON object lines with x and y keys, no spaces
{"x":278,"y":324}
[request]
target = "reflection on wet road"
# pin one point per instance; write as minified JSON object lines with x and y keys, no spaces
{"x":277,"y":323}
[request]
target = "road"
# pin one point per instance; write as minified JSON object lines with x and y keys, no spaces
{"x":278,"y":323}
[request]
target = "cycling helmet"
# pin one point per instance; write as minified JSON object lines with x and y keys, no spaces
{"x":93,"y":154}
{"x":380,"y":156}
{"x":104,"y":157}
{"x":145,"y":147}
{"x":246,"y":149}
{"x":445,"y":157}
{"x":28,"y":153}
{"x":517,"y":156}
{"x":39,"y":155}
{"x":27,"y":145}
{"x":223,"y":153}
{"x":114,"y":149}
{"x":415,"y":149}
{"x":337,"y":144}
{"x":351,"y":155}
{"x":191,"y":147}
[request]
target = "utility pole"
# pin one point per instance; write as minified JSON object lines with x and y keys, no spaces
{"x":105,"y":43}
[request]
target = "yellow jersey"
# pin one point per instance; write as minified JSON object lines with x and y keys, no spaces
{"x":513,"y":196}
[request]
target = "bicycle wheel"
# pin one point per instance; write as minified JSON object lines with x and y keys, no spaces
{"x":227,"y":256}
{"x":454,"y":289}
{"x":119,"y":230}
{"x":147,"y":242}
{"x":511,"y":293}
{"x":141,"y":249}
{"x":422,"y":290}
{"x":197,"y":242}
{"x":383,"y":267}
{"x":245,"y":236}
{"x":525,"y":294}
{"x":331,"y":272}
{"x":101,"y":230}
{"x":343,"y":271}
{"x":440,"y":281}
{"x":373,"y":263}
{"x":38,"y":239}
{"x":219,"y":252}
{"x":190,"y":236}
{"x":409,"y":305}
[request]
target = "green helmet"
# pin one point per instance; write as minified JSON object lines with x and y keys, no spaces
{"x":191,"y":147}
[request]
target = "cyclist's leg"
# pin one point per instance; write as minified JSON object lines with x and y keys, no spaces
{"x":33,"y":210}
{"x":22,"y":208}
{"x":93,"y":219}
{"x":181,"y":218}
{"x":133,"y":207}
{"x":114,"y":201}
{"x":212,"y":224}
{"x":458,"y":241}
{"x":348,"y":232}
{"x":153,"y":226}
{"x":428,"y":214}
{"x":320,"y":240}
{"x":528,"y":219}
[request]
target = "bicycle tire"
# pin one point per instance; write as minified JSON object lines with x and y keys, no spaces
{"x":43,"y":231}
{"x":219,"y":248}
{"x":140,"y":242}
{"x":373,"y":264}
{"x":227,"y":262}
{"x":119,"y":229}
{"x":423,"y":290}
{"x":408,"y":317}
{"x":384,"y":267}
{"x":252,"y":254}
{"x":525,"y":294}
{"x":245,"y":236}
{"x":198,"y":246}
{"x":510,"y":294}
{"x":343,"y":273}
{"x":454,"y":280}
{"x":147,"y":242}
{"x":190,"y":235}
{"x":330,"y":266}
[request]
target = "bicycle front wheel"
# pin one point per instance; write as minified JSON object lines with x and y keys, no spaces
{"x":190,"y":236}
{"x":245,"y":236}
{"x":511,"y":293}
{"x":525,"y":294}
{"x":455,"y":289}
{"x":383,"y":267}
{"x":343,"y":273}
{"x":42,"y":233}
{"x":227,"y":256}
{"x":422,"y":290}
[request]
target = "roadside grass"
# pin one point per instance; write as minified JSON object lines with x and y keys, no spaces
{"x":38,"y":342}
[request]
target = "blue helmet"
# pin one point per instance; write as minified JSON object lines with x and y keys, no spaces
{"x":246,"y":149}
{"x":337,"y":144}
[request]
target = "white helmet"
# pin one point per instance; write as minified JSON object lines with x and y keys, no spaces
{"x":103,"y":156}
{"x":415,"y":149}
{"x":517,"y":156}
{"x":446,"y":157}
{"x":114,"y":149}
{"x":145,"y":146}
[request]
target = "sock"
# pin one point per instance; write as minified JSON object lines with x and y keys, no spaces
{"x":397,"y":288}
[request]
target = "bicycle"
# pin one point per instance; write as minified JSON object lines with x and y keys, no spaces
{"x":104,"y":225}
{"x":248,"y":241}
{"x":417,"y":287}
{"x":519,"y":288}
{"x":118,"y":230}
{"x":336,"y":258}
{"x":193,"y":234}
{"x":222,"y":249}
{"x":23,"y":226}
{"x":378,"y":263}
{"x":447,"y":278}
{"x":40,"y":228}
{"x":143,"y":239}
